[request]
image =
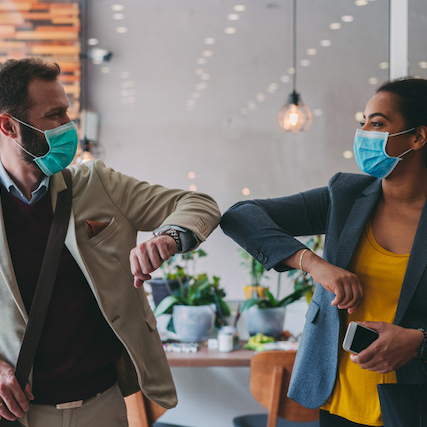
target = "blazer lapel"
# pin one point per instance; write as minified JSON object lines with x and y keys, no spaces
{"x":416,"y":266}
{"x":356,"y":221}
{"x":6,"y":269}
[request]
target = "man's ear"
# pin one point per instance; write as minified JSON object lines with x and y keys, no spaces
{"x":421,"y":137}
{"x":8,"y":126}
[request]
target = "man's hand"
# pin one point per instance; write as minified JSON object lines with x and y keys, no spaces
{"x":14,"y":401}
{"x":395,"y":347}
{"x":149,"y":256}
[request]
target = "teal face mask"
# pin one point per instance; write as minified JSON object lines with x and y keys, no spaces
{"x":370,"y":154}
{"x":62,"y":142}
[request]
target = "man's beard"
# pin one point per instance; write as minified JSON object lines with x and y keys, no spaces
{"x":34,"y":142}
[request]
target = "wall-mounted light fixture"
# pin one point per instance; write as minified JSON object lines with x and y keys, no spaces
{"x":294,"y":116}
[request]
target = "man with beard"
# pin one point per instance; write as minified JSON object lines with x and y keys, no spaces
{"x":99,"y":330}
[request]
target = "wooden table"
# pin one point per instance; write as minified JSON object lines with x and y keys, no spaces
{"x":205,"y":357}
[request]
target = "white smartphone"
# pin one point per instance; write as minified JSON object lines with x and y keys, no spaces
{"x":358,"y":337}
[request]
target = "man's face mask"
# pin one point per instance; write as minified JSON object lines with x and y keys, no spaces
{"x":370,"y":154}
{"x":62,"y":142}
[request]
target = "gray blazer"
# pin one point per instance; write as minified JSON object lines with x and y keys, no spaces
{"x":266,"y":229}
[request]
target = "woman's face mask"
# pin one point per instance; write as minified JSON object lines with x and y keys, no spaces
{"x":370,"y":154}
{"x":62,"y":142}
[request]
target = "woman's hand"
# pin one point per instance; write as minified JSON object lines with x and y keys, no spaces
{"x":14,"y":401}
{"x":395,"y":347}
{"x":345,"y":285}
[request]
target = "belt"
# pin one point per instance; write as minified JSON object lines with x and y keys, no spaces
{"x":75,"y":404}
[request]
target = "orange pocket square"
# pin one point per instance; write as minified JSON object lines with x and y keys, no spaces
{"x":94,"y":227}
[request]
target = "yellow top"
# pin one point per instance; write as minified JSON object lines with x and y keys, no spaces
{"x":381,"y":274}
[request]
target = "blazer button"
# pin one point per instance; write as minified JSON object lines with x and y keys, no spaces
{"x":255,"y":254}
{"x":265,"y":260}
{"x":260,"y":257}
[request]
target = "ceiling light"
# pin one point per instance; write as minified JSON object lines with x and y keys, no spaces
{"x":291,"y":70}
{"x":272,"y":87}
{"x":359,"y":116}
{"x":199,"y":71}
{"x":348,"y":154}
{"x":383,"y":65}
{"x":209,"y":40}
{"x":105,"y":70}
{"x":192,"y":187}
{"x":347,"y":18}
{"x":201,"y":61}
{"x":423,"y":64}
{"x":117,"y":7}
{"x":233,"y":16}
{"x":201,"y":86}
{"x":311,"y":51}
{"x":305,"y":62}
{"x":207,"y":53}
{"x":373,"y":81}
{"x":191,"y":175}
{"x":285,"y":79}
{"x":191,"y":102}
{"x":246,"y":191}
{"x":294,"y":116}
{"x":118,"y":16}
{"x":260,"y":97}
{"x":92,"y":42}
{"x":252,"y":105}
{"x":121,"y":30}
{"x":335,"y":26}
{"x":239,"y":8}
{"x":230,"y":30}
{"x":361,"y":2}
{"x":325,"y":43}
{"x":205,"y":76}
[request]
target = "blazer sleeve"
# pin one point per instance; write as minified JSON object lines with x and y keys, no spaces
{"x":267,"y":228}
{"x":148,"y":206}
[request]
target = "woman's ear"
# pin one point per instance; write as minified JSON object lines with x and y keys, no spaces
{"x":420,"y":137}
{"x":8,"y":127}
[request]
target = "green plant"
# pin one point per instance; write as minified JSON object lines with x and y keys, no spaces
{"x":194,"y":289}
{"x":256,"y":270}
{"x":303,"y":285}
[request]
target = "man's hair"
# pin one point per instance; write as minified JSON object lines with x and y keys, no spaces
{"x":15,"y":76}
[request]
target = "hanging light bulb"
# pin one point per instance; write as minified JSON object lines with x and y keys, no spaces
{"x":294,"y":116}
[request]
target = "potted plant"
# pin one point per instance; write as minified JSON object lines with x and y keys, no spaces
{"x":196,"y":304}
{"x":266,"y":314}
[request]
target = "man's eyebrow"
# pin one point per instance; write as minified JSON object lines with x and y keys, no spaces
{"x":371,"y":116}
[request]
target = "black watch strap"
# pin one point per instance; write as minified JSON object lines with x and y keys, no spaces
{"x":422,"y":349}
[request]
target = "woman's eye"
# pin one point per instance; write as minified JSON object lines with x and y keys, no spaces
{"x":362,"y":124}
{"x":376,"y":124}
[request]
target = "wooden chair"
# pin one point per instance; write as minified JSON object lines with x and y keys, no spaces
{"x":269,"y":381}
{"x":143,"y":412}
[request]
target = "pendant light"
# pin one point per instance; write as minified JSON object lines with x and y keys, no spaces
{"x":294,"y":116}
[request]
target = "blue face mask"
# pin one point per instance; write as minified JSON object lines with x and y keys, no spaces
{"x":370,"y":154}
{"x":62,"y":142}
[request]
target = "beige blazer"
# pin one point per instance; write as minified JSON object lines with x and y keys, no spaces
{"x":128,"y":206}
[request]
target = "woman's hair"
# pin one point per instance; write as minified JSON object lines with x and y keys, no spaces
{"x":411,"y":98}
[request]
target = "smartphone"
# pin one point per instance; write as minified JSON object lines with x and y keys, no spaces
{"x":358,"y":337}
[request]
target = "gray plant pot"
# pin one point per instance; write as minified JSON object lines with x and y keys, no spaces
{"x":193,"y":323}
{"x":267,"y":321}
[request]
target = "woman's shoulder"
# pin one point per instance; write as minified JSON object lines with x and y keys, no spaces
{"x":355,"y":182}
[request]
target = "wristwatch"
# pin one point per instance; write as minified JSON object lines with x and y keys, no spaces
{"x":422,"y":349}
{"x":170,"y":231}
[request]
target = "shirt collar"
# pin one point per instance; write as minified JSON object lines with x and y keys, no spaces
{"x":8,"y":183}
